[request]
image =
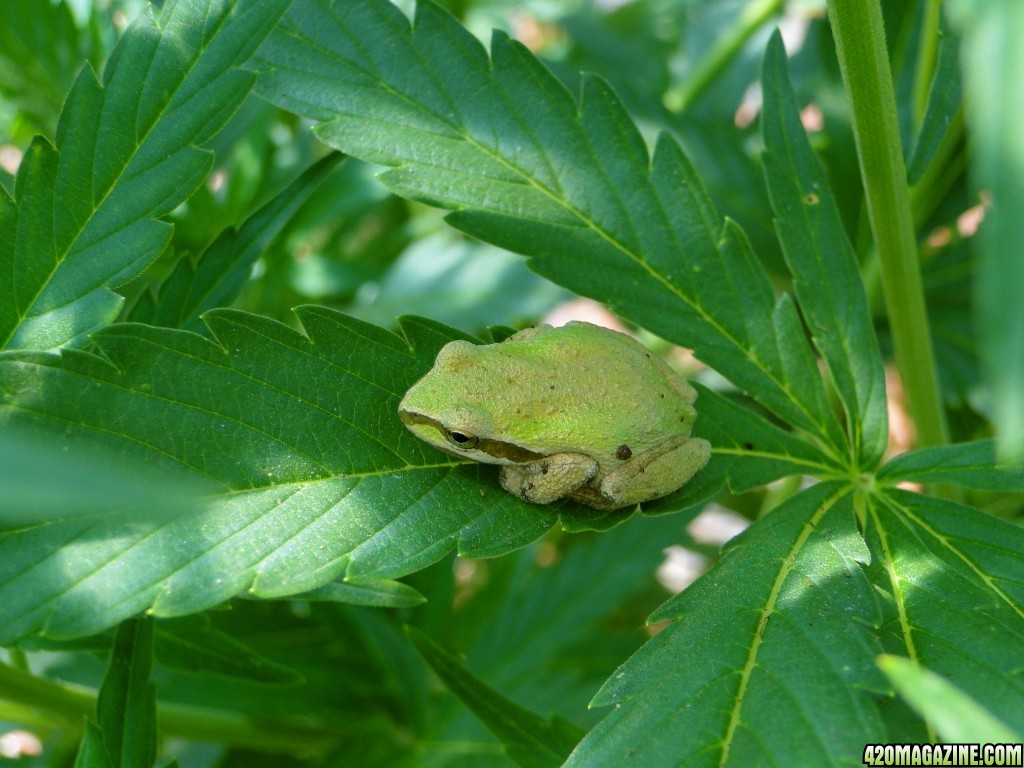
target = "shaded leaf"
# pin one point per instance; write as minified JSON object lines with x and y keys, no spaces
{"x":126,"y":708}
{"x":462,"y":282}
{"x":41,"y":49}
{"x":379,"y":594}
{"x":219,"y":273}
{"x":943,"y":112}
{"x":91,"y":751}
{"x":193,"y":644}
{"x":529,"y":739}
{"x":550,"y":633}
{"x":993,"y":65}
{"x":758,"y":451}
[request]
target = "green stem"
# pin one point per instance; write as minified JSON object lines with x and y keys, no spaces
{"x":864,"y":63}
{"x":72,"y":704}
{"x":753,"y":16}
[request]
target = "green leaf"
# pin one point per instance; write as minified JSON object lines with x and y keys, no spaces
{"x":85,"y":218}
{"x":315,"y":477}
{"x":758,"y":451}
{"x":217,"y":276}
{"x":527,"y":167}
{"x":91,"y":751}
{"x":41,"y":50}
{"x":823,"y":264}
{"x":943,"y":114}
{"x":379,"y":594}
{"x":957,"y":596}
{"x":780,"y":634}
{"x":126,"y":708}
{"x":530,"y":740}
{"x":972,"y":465}
{"x":193,"y":644}
{"x":956,"y":717}
{"x":993,"y":64}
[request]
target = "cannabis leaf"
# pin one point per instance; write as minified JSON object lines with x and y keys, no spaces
{"x":84,"y":215}
{"x":309,"y":474}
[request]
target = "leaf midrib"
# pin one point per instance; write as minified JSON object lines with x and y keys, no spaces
{"x":809,"y":527}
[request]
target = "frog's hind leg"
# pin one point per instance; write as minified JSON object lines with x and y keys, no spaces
{"x":655,"y":472}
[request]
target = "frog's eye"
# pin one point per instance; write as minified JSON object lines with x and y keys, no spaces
{"x":461,"y":439}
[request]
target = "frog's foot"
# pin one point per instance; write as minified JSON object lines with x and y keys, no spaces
{"x":548,"y":479}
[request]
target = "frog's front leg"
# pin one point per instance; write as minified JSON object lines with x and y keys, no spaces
{"x":655,"y":472}
{"x":548,"y":479}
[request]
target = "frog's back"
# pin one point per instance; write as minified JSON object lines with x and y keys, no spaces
{"x":594,"y":383}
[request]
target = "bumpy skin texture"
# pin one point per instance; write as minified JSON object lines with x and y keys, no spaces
{"x":577,"y":411}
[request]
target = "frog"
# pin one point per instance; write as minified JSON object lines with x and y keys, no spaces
{"x":577,"y":411}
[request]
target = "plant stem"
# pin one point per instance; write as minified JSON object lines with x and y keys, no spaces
{"x":72,"y":704}
{"x":754,"y":15}
{"x":863,"y":61}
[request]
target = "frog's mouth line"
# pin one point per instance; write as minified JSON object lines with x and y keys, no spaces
{"x":496,"y":448}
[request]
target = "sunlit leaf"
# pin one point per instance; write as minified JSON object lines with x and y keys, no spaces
{"x":782,"y":629}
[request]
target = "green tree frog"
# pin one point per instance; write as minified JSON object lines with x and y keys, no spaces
{"x":578,"y":411}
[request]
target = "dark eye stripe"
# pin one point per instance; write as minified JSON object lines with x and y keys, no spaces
{"x":496,"y":448}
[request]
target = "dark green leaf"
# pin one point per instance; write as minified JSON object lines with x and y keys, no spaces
{"x":192,"y":644}
{"x":41,"y":50}
{"x":527,"y":167}
{"x":126,"y":709}
{"x":462,"y":282}
{"x":550,"y":633}
{"x":943,"y":113}
{"x":529,"y":739}
{"x":91,"y":752}
{"x":779,"y":634}
{"x":823,"y":263}
{"x":215,"y":279}
{"x":758,"y":451}
{"x":126,"y":154}
{"x":379,"y":594}
{"x":973,"y":465}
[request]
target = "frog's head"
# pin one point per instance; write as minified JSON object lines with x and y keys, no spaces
{"x":453,"y":408}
